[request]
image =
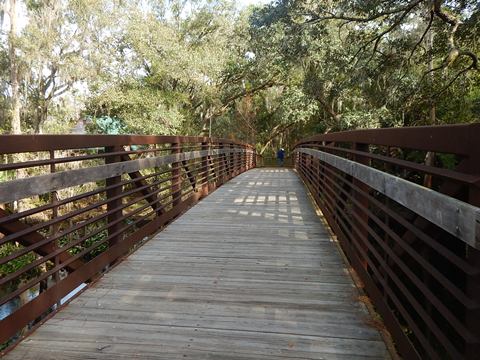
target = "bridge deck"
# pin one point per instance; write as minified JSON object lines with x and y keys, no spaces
{"x":248,"y":273}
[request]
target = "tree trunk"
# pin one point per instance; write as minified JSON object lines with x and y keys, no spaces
{"x":14,"y":81}
{"x":430,"y":156}
{"x":328,"y":108}
{"x":15,"y":88}
{"x":433,"y":119}
{"x":41,"y":117}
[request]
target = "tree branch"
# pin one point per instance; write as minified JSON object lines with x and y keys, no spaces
{"x":377,"y":38}
{"x":423,"y":35}
{"x":332,"y":16}
{"x":470,"y":67}
{"x":277,"y":130}
{"x":59,"y":91}
{"x":229,"y":100}
{"x":266,"y":84}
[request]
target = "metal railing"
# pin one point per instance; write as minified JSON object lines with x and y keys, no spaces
{"x":404,"y":204}
{"x":72,"y":206}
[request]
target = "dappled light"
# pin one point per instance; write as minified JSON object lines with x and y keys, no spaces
{"x":239,"y":180}
{"x":249,"y":259}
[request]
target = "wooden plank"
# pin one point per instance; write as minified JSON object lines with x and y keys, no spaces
{"x":248,"y":273}
{"x":454,"y":216}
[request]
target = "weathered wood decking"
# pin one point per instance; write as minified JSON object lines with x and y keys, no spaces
{"x":248,"y":273}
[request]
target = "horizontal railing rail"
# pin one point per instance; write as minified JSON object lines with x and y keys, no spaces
{"x":404,"y":204}
{"x":71,"y":206}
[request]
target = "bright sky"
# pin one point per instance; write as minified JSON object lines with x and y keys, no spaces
{"x":243,"y":3}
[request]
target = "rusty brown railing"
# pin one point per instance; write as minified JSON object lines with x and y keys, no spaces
{"x":404,"y":206}
{"x":72,"y":206}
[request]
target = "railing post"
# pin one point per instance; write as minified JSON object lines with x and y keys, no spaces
{"x":214,"y":166}
{"x":233,"y":169}
{"x":303,"y":165}
{"x":55,"y":227}
{"x":240,"y":160}
{"x":296,"y":156}
{"x":243,"y":159}
{"x":227,"y":158}
{"x":221,"y":165}
{"x":253,"y":157}
{"x":226,"y":163}
{"x":115,"y":216}
{"x":205,"y":173}
{"x":176,"y":176}
{"x":363,"y":200}
{"x":472,"y":316}
{"x":246,"y":158}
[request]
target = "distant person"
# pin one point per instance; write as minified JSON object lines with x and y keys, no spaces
{"x":280,"y":156}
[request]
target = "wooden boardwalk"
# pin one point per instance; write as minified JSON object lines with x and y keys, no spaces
{"x":248,"y":273}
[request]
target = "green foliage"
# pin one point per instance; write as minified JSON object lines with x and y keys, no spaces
{"x":139,"y":110}
{"x":268,"y":74}
{"x":15,"y":264}
{"x":364,"y":65}
{"x":90,"y":242}
{"x":374,"y":118}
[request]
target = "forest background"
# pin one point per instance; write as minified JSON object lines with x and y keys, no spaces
{"x":266,"y":74}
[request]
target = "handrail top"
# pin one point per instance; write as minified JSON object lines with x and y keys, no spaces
{"x":42,"y":142}
{"x":459,"y":139}
{"x":454,"y":216}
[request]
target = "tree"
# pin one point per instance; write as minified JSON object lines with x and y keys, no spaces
{"x":366,"y":63}
{"x":268,"y":73}
{"x":62,"y":48}
{"x":181,"y":56}
{"x":14,"y":67}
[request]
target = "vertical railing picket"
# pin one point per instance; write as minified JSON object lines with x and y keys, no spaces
{"x":214,"y":164}
{"x":176,"y":176}
{"x":55,"y":227}
{"x":221,"y":164}
{"x":361,"y":199}
{"x":113,"y":219}
{"x":472,"y":316}
{"x":231,"y":172}
{"x":205,"y":171}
